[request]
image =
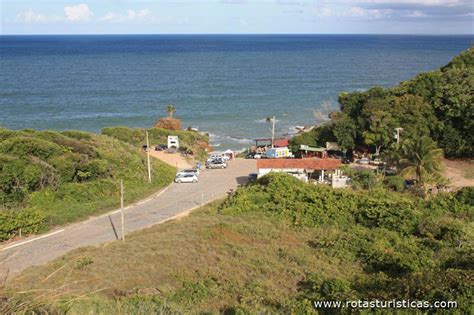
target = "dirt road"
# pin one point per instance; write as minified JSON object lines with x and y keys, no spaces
{"x":171,"y":202}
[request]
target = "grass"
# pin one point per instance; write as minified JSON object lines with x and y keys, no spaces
{"x":469,"y":171}
{"x":62,"y":177}
{"x":271,"y":247}
{"x":206,"y":262}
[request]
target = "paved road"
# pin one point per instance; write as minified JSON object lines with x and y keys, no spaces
{"x":173,"y":201}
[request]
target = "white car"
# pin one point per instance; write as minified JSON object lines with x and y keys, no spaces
{"x":259,"y":156}
{"x":186,"y":172}
{"x":216,"y":156}
{"x":363,"y":161}
{"x":186,"y":178}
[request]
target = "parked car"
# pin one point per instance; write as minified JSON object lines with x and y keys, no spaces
{"x":250,"y":155}
{"x":252,"y":177}
{"x":161,"y":147}
{"x":363,"y":161}
{"x":376,"y":162}
{"x":259,"y":156}
{"x":186,"y":178}
{"x":346,"y":160}
{"x":145,"y":148}
{"x":217,"y":163}
{"x":215,"y":156}
{"x":189,"y":171}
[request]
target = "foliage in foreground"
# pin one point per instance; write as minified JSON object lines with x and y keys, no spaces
{"x":275,"y":246}
{"x":49,"y":178}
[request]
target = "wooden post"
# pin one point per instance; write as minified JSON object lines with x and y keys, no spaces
{"x":148,"y":156}
{"x":121,"y":208}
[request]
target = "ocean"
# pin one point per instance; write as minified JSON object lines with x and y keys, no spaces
{"x":223,"y":84}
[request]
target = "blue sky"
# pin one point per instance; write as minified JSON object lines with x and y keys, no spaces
{"x":237,"y":16}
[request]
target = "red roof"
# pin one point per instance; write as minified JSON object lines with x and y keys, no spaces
{"x":308,"y":164}
{"x":280,"y":143}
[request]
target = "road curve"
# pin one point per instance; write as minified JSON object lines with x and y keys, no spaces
{"x":172,"y":201}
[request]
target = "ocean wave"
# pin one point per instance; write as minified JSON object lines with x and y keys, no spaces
{"x":240,"y":140}
{"x":264,"y":120}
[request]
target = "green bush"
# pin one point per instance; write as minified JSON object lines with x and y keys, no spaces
{"x":395,"y":183}
{"x":28,"y":220}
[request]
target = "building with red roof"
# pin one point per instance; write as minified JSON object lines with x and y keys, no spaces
{"x":300,"y":168}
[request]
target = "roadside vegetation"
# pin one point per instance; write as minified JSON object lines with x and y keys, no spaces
{"x":191,"y":141}
{"x":273,"y":247}
{"x":52,"y":178}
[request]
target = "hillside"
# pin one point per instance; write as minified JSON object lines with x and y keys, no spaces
{"x":438,"y":104}
{"x":272,"y":247}
{"x":51,"y":178}
{"x":189,"y":140}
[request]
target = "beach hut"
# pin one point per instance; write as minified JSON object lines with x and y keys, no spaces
{"x":307,"y":151}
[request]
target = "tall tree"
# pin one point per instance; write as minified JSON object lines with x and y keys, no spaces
{"x":344,"y":130}
{"x":380,"y":131}
{"x":421,"y":158}
{"x":171,"y":110}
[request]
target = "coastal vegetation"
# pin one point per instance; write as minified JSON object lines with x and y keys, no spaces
{"x":437,"y":104}
{"x":273,"y":246}
{"x":50,"y":178}
{"x":192,"y":141}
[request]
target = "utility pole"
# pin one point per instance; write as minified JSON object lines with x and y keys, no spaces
{"x":273,"y":129}
{"x":148,"y":156}
{"x":121,"y":210}
{"x":273,"y":132}
{"x":398,"y":129}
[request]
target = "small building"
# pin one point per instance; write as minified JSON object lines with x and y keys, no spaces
{"x":307,"y":151}
{"x":276,"y":153}
{"x":340,"y":181}
{"x":303,"y":169}
{"x":173,"y":142}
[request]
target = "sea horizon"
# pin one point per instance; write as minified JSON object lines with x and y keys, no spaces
{"x":224,"y":84}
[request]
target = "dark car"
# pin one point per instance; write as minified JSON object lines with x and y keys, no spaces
{"x":250,"y":155}
{"x":145,"y":147}
{"x":346,"y":160}
{"x":161,"y":147}
{"x":252,"y":177}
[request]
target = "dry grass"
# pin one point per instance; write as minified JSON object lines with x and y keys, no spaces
{"x":201,"y":262}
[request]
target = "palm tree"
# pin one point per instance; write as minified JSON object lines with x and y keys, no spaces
{"x":171,"y":110}
{"x":421,"y":158}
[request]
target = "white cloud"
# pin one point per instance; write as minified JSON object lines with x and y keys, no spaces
{"x":30,"y":16}
{"x":131,"y":16}
{"x":416,"y":2}
{"x":416,"y":14}
{"x":78,"y":13}
{"x":368,"y":13}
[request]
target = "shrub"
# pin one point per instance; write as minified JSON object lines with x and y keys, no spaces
{"x":169,"y":124}
{"x":395,"y":183}
{"x":28,"y":220}
{"x":25,"y":146}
